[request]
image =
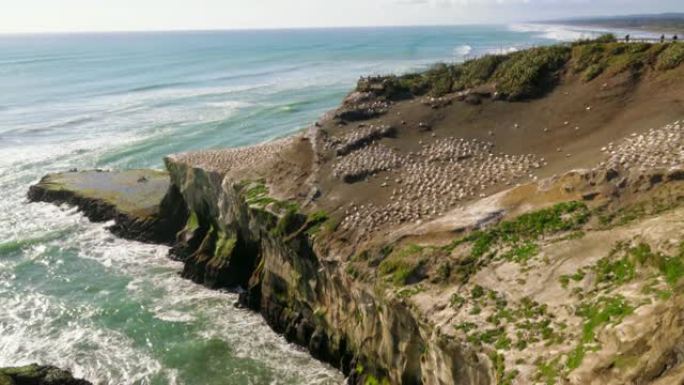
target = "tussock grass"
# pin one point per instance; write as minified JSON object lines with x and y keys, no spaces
{"x":532,"y":72}
{"x":671,"y":57}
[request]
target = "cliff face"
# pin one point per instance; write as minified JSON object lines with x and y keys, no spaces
{"x":443,"y":241}
{"x":304,"y":293}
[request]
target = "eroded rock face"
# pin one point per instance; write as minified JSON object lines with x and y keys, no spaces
{"x":303,"y":292}
{"x":421,"y":334}
{"x":35,"y":374}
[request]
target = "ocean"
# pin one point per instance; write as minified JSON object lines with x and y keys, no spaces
{"x":115,"y":311}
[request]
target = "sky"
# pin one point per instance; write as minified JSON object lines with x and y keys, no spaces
{"x":20,"y":16}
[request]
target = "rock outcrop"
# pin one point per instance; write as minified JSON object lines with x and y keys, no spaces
{"x":141,"y":203}
{"x":35,"y":374}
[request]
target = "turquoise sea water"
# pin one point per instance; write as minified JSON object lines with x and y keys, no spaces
{"x":115,"y":311}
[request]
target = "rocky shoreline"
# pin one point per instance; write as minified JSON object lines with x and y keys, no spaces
{"x":494,"y":285}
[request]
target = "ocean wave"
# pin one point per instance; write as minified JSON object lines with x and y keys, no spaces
{"x":154,"y":87}
{"x":556,"y":32}
{"x":462,"y":50}
{"x":208,"y":316}
{"x":39,"y":328}
{"x":11,"y":246}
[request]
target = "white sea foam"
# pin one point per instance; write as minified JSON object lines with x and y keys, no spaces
{"x":557,"y":32}
{"x":462,"y":51}
{"x":38,"y":328}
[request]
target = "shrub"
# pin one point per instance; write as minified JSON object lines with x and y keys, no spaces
{"x":671,"y":57}
{"x":587,"y":55}
{"x":441,"y":79}
{"x":479,"y":71}
{"x":530,"y":73}
{"x":593,"y":71}
{"x":606,"y":38}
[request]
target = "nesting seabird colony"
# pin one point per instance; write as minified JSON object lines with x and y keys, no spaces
{"x":657,"y":148}
{"x":441,"y":175}
{"x":426,"y":183}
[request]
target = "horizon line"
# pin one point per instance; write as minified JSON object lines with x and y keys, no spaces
{"x":228,"y":29}
{"x":294,"y":28}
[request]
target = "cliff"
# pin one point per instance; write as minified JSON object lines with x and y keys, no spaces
{"x":512,"y":220}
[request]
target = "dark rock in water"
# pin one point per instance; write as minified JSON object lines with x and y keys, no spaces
{"x":35,"y":374}
{"x":142,"y":203}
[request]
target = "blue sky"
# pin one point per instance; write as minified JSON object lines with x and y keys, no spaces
{"x":110,"y":15}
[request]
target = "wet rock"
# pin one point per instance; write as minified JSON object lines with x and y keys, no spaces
{"x":35,"y":374}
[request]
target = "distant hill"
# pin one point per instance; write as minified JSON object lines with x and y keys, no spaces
{"x":664,"y":22}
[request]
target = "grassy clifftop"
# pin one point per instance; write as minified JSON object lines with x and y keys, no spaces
{"x":533,"y":72}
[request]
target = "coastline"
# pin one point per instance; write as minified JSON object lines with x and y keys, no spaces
{"x":305,"y":281}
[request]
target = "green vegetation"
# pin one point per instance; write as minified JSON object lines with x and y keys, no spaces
{"x":577,"y":277}
{"x":477,"y":292}
{"x":403,"y":266}
{"x":602,"y":311}
{"x":517,"y":76}
{"x":615,"y":271}
{"x":625,"y":263}
{"x":315,"y":221}
{"x":596,"y":314}
{"x":256,"y":195}
{"x":474,"y":73}
{"x":548,"y":372}
{"x":291,"y":221}
{"x":529,"y":73}
{"x":671,"y":57}
{"x":532,"y":72}
{"x":522,"y":253}
{"x":223,"y":250}
{"x":592,"y":58}
{"x":372,"y":380}
{"x":503,"y":377}
{"x":457,"y":301}
{"x":575,"y":357}
{"x":410,"y":291}
{"x":526,"y":321}
{"x":518,"y":235}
